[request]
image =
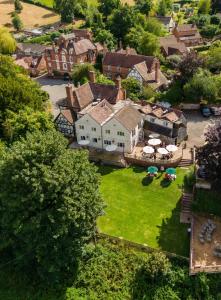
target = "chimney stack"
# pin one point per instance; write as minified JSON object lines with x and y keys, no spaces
{"x":105,"y":49}
{"x":92,"y":76}
{"x":120,"y":44}
{"x":157,"y":71}
{"x":127,"y":50}
{"x":69,"y":92}
{"x":118,"y":82}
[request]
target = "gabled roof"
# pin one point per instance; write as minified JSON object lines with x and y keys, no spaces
{"x":83,"y":46}
{"x":89,"y":92}
{"x":149,"y":78}
{"x":187,"y":29}
{"x":127,"y":51}
{"x":127,"y":60}
{"x":67,"y":114}
{"x":171,"y":45}
{"x":29,"y":47}
{"x":129,"y":117}
{"x":169,"y":114}
{"x":164,"y":19}
{"x":101,"y":112}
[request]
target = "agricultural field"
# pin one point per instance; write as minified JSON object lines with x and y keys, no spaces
{"x":31,"y":15}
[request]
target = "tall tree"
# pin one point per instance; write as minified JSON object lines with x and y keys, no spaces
{"x":68,"y":9}
{"x":7,"y":42}
{"x":149,"y":44}
{"x":121,"y":21}
{"x":209,"y":155}
{"x":80,"y":73}
{"x":18,"y":6}
{"x":49,"y":203}
{"x":189,"y":65}
{"x":17,"y":22}
{"x":144,"y":6}
{"x":107,"y":6}
{"x":162,"y":8}
{"x":104,"y":36}
{"x":204,"y":6}
{"x":18,"y":124}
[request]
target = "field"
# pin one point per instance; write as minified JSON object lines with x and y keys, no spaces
{"x":143,"y":211}
{"x":31,"y":15}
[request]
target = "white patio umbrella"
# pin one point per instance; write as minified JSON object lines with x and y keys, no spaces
{"x":148,"y":150}
{"x":154,"y":142}
{"x":111,"y":148}
{"x":172,"y":148}
{"x":162,"y":151}
{"x":84,"y":142}
{"x":154,"y":135}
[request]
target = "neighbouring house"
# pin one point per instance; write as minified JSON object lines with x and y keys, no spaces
{"x":146,"y":69}
{"x":170,"y":123}
{"x":82,"y":34}
{"x":33,"y":65}
{"x":128,"y":50}
{"x":29,"y":49}
{"x":104,"y":124}
{"x":80,"y":97}
{"x":167,"y":22}
{"x":65,"y":122}
{"x":188,"y":34}
{"x":169,"y":45}
{"x":69,"y":51}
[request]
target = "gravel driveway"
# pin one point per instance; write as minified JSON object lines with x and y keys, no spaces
{"x":55,"y":89}
{"x":195,"y":127}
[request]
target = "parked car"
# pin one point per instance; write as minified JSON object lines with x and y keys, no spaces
{"x":205,"y":111}
{"x":216,"y":111}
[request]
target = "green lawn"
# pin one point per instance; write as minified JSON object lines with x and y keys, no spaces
{"x":142,"y":211}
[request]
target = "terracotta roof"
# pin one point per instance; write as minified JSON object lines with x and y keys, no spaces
{"x":83,"y":96}
{"x":187,"y":29}
{"x":149,"y":78}
{"x":170,"y":114}
{"x":171,"y":45}
{"x":129,"y":117}
{"x":104,"y":91}
{"x":83,"y":46}
{"x":69,"y":36}
{"x":127,"y":61}
{"x":68,"y":115}
{"x":99,"y":47}
{"x":89,"y":92}
{"x":84,"y":33}
{"x":29,"y":47}
{"x":128,"y":50}
{"x":101,"y":112}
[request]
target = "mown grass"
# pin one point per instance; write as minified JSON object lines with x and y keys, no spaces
{"x":143,"y":211}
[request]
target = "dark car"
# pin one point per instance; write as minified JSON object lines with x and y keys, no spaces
{"x":205,"y":111}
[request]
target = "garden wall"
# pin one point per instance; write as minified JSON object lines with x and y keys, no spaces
{"x":136,"y":246}
{"x":158,"y":163}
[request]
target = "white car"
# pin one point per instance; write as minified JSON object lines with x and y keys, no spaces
{"x":216,"y":111}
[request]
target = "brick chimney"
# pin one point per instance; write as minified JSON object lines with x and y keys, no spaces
{"x":69,"y":92}
{"x":157,"y":71}
{"x":127,"y":50}
{"x":118,"y":82}
{"x":105,"y":49}
{"x":92,"y":76}
{"x":120,"y":44}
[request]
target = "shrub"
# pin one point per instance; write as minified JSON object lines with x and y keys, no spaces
{"x":209,"y":31}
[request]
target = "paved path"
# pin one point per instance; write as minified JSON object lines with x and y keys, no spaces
{"x":55,"y":89}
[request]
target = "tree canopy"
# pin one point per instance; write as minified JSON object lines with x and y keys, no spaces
{"x":7,"y":42}
{"x":209,"y":155}
{"x":18,"y":91}
{"x":49,"y":203}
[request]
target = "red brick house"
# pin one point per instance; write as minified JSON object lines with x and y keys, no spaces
{"x":188,"y":34}
{"x":146,"y":69}
{"x":169,"y":45}
{"x":33,"y":65}
{"x":68,"y":51}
